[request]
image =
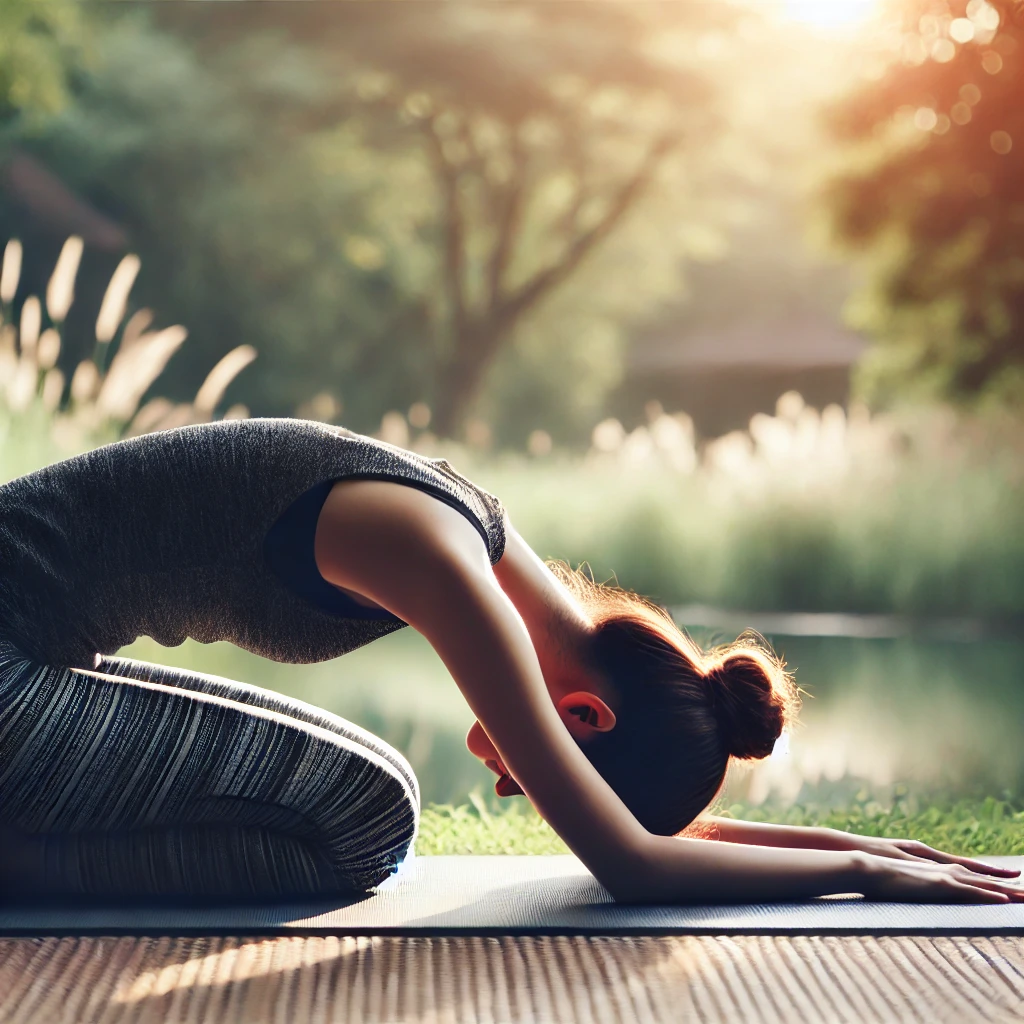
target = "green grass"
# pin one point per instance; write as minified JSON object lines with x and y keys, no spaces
{"x":936,"y":530}
{"x":990,"y":826}
{"x":941,"y":531}
{"x":936,"y":537}
{"x":967,"y":827}
{"x":474,"y":828}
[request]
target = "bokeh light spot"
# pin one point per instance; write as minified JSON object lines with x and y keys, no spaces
{"x":961,"y":30}
{"x":992,"y":62}
{"x":419,"y":415}
{"x":980,"y":185}
{"x":961,"y":113}
{"x":539,"y":443}
{"x":970,"y":93}
{"x":1001,"y":142}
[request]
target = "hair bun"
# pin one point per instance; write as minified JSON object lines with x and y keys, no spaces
{"x":749,"y":703}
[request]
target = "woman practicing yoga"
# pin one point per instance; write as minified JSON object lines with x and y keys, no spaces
{"x":301,"y":541}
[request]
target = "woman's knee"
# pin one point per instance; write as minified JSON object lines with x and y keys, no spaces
{"x":369,"y":827}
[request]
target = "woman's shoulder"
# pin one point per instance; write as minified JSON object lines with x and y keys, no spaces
{"x":394,"y":545}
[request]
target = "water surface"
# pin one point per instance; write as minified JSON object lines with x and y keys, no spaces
{"x":934,"y":715}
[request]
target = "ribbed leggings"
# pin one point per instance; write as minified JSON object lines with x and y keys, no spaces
{"x":135,"y":780}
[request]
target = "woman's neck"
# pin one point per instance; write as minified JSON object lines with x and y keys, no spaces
{"x":558,"y":625}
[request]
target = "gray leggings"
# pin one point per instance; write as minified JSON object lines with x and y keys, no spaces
{"x":135,"y":780}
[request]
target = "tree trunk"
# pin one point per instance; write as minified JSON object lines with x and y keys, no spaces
{"x":462,"y":375}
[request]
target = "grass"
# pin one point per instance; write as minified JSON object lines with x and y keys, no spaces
{"x":936,"y":536}
{"x":475,"y":829}
{"x":919,"y":513}
{"x":805,"y":510}
{"x":937,"y":530}
{"x":990,"y":826}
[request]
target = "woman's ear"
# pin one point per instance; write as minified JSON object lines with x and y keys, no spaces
{"x":585,"y":713}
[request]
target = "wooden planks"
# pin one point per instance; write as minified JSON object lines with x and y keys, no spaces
{"x":287,"y":980}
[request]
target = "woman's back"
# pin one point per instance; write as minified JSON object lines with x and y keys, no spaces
{"x":163,"y":535}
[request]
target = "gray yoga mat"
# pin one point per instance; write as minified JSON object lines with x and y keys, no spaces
{"x":510,"y":896}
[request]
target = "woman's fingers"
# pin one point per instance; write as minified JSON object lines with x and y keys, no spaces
{"x":976,"y":891}
{"x":962,"y":893}
{"x":972,"y":871}
{"x":964,"y":876}
{"x":915,"y":879}
{"x":981,"y":868}
{"x":1010,"y":892}
{"x":978,"y":866}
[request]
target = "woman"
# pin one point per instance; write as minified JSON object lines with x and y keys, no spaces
{"x":300,"y":541}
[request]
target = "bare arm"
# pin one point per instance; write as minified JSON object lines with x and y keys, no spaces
{"x":493,"y":661}
{"x":756,"y":833}
{"x":424,"y":562}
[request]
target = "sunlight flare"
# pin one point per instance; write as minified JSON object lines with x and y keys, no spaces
{"x":828,"y":14}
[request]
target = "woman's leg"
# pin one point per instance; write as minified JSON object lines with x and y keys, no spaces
{"x":131,"y":787}
{"x":243,"y":693}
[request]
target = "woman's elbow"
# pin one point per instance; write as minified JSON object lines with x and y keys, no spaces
{"x":631,"y":877}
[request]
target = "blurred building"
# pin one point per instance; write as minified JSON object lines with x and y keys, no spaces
{"x":764,"y":319}
{"x":36,"y":205}
{"x":723,"y":374}
{"x":37,"y":208}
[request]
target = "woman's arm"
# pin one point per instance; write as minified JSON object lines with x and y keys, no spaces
{"x":424,"y":562}
{"x":493,"y":661}
{"x":731,"y":830}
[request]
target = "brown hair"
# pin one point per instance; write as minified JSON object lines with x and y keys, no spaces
{"x":681,"y":712}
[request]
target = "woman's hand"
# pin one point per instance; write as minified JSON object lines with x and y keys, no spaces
{"x":912,"y":850}
{"x":733,"y":830}
{"x":919,"y":880}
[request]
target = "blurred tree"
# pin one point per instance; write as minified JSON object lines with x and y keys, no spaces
{"x":934,"y":194}
{"x":543,"y":128}
{"x":38,"y":44}
{"x":242,"y":234}
{"x":382,"y":199}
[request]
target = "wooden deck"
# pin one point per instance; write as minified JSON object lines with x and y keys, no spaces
{"x":298,"y":980}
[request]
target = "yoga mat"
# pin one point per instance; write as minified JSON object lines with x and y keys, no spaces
{"x":513,"y":896}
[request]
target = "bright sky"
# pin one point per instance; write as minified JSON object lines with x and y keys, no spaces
{"x":828,"y":14}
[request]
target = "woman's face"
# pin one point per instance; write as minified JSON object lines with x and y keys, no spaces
{"x":583,"y":712}
{"x":480,"y":746}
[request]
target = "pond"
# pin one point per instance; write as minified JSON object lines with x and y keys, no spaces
{"x":940,"y":717}
{"x":936,"y":715}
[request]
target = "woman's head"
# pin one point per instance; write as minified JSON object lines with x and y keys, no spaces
{"x":680,"y":712}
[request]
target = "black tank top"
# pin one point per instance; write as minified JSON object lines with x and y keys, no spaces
{"x":290,"y":551}
{"x":204,"y":532}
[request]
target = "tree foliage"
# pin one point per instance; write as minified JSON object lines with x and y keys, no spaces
{"x":39,"y":42}
{"x":449,"y":203}
{"x":934,"y":195}
{"x":542,"y":128}
{"x":241,"y":231}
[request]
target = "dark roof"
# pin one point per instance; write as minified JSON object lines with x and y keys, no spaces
{"x":797,"y":342}
{"x":54,"y":205}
